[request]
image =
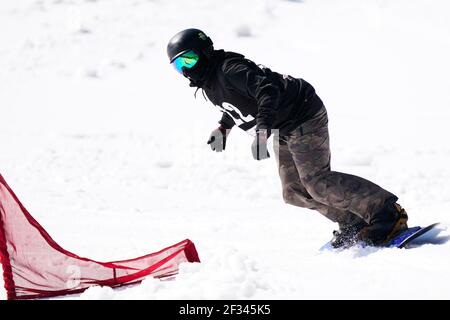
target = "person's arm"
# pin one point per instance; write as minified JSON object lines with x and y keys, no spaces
{"x":248,"y":79}
{"x":226,"y":121}
{"x":245,"y":77}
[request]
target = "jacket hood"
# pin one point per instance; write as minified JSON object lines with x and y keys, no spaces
{"x":215,"y":61}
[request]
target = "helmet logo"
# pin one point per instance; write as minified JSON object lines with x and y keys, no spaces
{"x":202,"y":36}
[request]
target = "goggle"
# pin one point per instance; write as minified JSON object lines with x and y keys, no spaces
{"x":186,"y":60}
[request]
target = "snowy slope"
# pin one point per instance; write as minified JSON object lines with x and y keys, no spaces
{"x":106,"y":146}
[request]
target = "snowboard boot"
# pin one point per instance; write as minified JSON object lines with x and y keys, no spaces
{"x":345,"y":237}
{"x":385,"y":225}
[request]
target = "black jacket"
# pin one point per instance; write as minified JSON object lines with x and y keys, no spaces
{"x":249,"y":95}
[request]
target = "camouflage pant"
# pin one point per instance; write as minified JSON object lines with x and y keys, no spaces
{"x":304,"y":166}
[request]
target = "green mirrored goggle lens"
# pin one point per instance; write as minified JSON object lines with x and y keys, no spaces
{"x":186,"y":60}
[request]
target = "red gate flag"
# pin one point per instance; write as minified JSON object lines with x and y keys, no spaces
{"x":35,"y":266}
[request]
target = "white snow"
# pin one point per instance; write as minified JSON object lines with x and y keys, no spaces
{"x":105,"y":144}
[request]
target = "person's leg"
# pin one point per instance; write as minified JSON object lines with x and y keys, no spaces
{"x":295,"y":193}
{"x":309,"y":146}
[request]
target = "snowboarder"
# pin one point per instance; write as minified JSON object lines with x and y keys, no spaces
{"x":253,"y":97}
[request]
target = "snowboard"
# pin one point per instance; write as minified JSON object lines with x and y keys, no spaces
{"x":407,"y":238}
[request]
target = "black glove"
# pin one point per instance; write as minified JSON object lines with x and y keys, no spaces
{"x":259,"y":145}
{"x":218,"y":139}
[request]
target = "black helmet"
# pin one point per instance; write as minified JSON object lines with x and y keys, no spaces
{"x":189,"y":39}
